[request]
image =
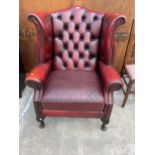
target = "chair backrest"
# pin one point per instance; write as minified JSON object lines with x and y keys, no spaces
{"x":76,"y":38}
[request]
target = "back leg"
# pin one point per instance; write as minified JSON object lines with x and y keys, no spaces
{"x":105,"y":121}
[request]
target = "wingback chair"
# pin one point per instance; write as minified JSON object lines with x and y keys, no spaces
{"x":75,"y":52}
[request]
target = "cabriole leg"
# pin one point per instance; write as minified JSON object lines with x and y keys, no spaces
{"x":41,"y":120}
{"x":105,"y":121}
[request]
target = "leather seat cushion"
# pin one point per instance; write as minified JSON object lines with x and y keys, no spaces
{"x":73,"y":90}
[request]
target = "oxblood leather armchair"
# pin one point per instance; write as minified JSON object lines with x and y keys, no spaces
{"x":74,"y":76}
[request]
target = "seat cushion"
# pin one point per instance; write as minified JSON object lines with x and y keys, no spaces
{"x":73,"y":90}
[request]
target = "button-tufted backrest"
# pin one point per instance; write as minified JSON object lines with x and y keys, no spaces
{"x":76,"y":37}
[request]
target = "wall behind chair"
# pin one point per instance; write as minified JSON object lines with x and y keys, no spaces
{"x":27,"y":32}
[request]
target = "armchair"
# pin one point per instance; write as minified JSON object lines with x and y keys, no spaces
{"x":75,"y":52}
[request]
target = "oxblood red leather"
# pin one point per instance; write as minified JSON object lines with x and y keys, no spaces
{"x":76,"y":38}
{"x":44,"y":32}
{"x":109,"y":76}
{"x":65,"y":91}
{"x":106,"y":46}
{"x":38,"y":75}
{"x":75,"y":52}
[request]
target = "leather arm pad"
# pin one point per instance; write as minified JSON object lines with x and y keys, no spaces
{"x":110,"y":78}
{"x":38,"y":75}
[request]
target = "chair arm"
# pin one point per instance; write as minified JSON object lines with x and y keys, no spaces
{"x":110,"y":78}
{"x":37,"y":77}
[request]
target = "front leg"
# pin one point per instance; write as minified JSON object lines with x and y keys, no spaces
{"x":41,"y":120}
{"x":105,"y":121}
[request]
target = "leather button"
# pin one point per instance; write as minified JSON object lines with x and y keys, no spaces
{"x":70,"y":54}
{"x":75,"y":64}
{"x":65,"y":26}
{"x":60,"y":36}
{"x":81,"y":37}
{"x":91,"y":56}
{"x":65,"y":64}
{"x":59,"y":17}
{"x":71,"y":17}
{"x":88,"y":27}
{"x":60,"y":54}
{"x":75,"y":46}
{"x":65,"y":45}
{"x":86,"y":46}
{"x":83,"y":18}
{"x":76,"y":27}
{"x":86,"y":64}
{"x":81,"y":55}
{"x":71,"y":36}
{"x":95,"y":18}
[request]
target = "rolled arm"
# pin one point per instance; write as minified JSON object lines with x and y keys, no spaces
{"x":110,"y":78}
{"x":37,"y":77}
